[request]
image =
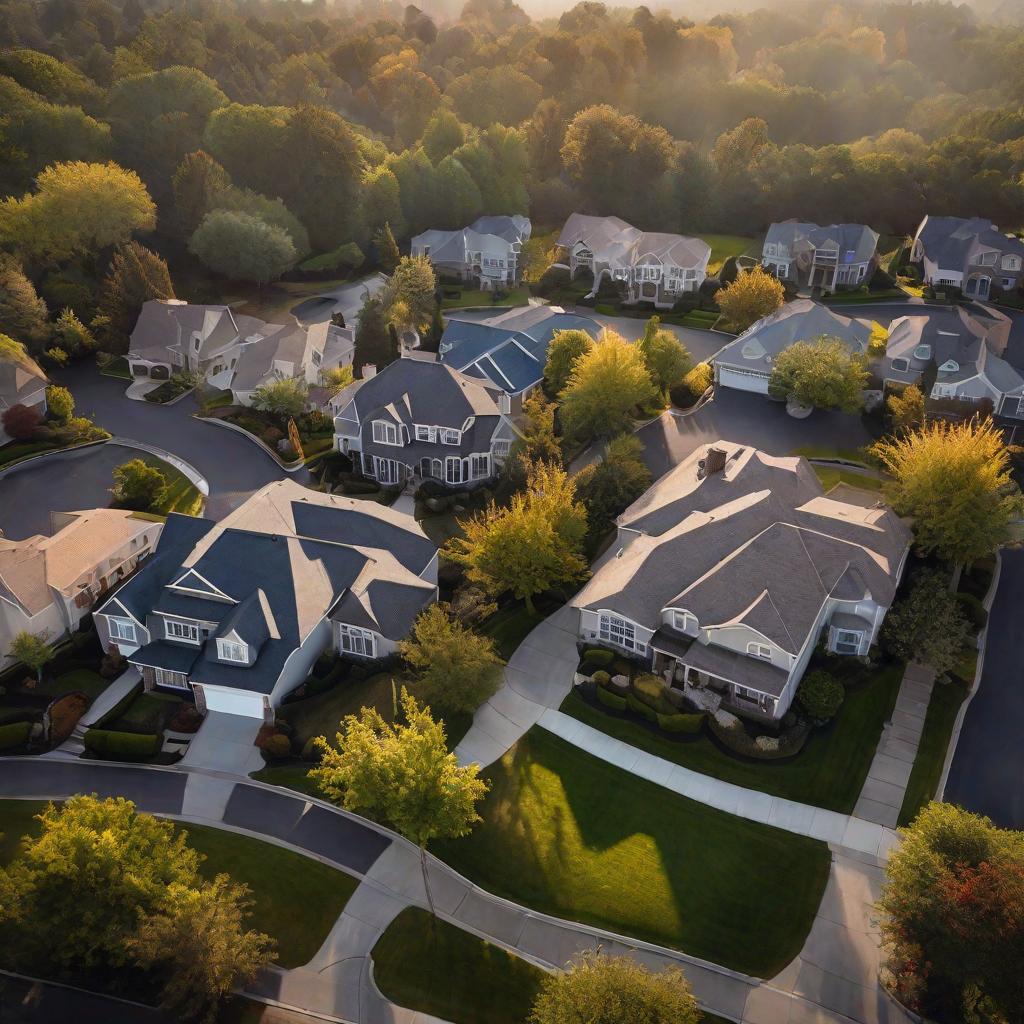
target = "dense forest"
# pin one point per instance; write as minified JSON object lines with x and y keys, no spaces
{"x":299,"y":130}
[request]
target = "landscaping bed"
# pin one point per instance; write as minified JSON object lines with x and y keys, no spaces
{"x":133,"y":729}
{"x":169,"y":390}
{"x":573,"y":836}
{"x":828,"y":771}
{"x":437,"y":968}
{"x":455,"y":296}
{"x":181,"y":496}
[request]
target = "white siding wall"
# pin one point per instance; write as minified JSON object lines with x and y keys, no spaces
{"x":300,"y":661}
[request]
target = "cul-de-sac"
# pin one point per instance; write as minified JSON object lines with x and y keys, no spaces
{"x":511,"y":513}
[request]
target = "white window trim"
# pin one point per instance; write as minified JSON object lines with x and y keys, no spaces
{"x":449,"y":435}
{"x":228,"y":649}
{"x":482,"y":472}
{"x":449,"y":463}
{"x":189,"y":631}
{"x":120,"y":629}
{"x":351,"y":637}
{"x":166,"y":677}
{"x":387,"y":434}
{"x":838,"y":636}
{"x":426,"y":433}
{"x":385,"y":470}
{"x":619,"y":632}
{"x":682,"y":621}
{"x":758,"y":650}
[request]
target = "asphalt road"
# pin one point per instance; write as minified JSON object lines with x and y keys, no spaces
{"x":987,"y":774}
{"x":233,"y":465}
{"x":744,"y":418}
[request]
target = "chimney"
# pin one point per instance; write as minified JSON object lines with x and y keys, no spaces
{"x":368,"y":370}
{"x":714,"y":461}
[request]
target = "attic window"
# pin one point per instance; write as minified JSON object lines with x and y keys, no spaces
{"x":228,"y":650}
{"x":949,"y":366}
{"x":901,"y":364}
{"x":923,"y":352}
{"x":760,"y":651}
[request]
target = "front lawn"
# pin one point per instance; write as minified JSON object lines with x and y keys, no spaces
{"x":828,"y":772}
{"x":468,"y":297}
{"x":182,"y":495}
{"x":724,"y":246}
{"x":931,"y":751}
{"x":437,"y":968}
{"x":296,"y":899}
{"x":92,"y":684}
{"x":509,"y":626}
{"x":575,"y":837}
{"x":147,"y":713}
{"x":832,"y":475}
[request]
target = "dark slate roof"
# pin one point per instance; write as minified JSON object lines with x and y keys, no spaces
{"x":948,"y":240}
{"x":388,"y":607}
{"x":173,"y":657}
{"x":747,"y":671}
{"x":248,"y":621}
{"x":857,"y":239}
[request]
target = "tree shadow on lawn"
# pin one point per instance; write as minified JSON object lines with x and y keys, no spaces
{"x":575,"y":837}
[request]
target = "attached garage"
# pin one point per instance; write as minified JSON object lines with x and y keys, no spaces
{"x":232,"y":702}
{"x":742,"y":380}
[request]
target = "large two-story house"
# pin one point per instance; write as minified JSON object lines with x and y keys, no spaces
{"x":834,"y":257}
{"x":486,"y":252}
{"x":726,"y":574}
{"x":970,"y":254}
{"x":968,"y":353}
{"x":236,"y":612}
{"x":49,"y":584}
{"x":22,"y":382}
{"x":746,"y":363}
{"x":420,"y":420}
{"x":651,"y":266}
{"x":510,"y":350}
{"x":231,"y":351}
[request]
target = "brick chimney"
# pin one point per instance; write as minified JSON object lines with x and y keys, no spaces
{"x":714,"y":461}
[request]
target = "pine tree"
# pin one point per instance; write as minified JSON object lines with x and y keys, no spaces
{"x":387,"y":249}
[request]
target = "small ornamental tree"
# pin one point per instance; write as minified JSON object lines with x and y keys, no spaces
{"x":537,"y":442}
{"x":906,"y":409}
{"x":456,"y":669}
{"x":33,"y":651}
{"x":667,"y":359}
{"x":753,"y":295}
{"x":388,"y":255}
{"x":60,"y":403}
{"x":823,"y":374}
{"x":599,"y":989}
{"x":564,"y":349}
{"x":138,"y":486}
{"x":21,"y":421}
{"x":284,"y":398}
{"x":337,"y":378}
{"x":408,"y":297}
{"x":611,"y":485}
{"x":820,"y":695}
{"x":401,"y":774}
{"x":72,"y":335}
{"x":928,"y":625}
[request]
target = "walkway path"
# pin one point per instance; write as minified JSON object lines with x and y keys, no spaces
{"x":882,"y":796}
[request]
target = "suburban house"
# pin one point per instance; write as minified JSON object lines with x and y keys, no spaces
{"x":834,"y":257}
{"x":22,"y":382}
{"x":746,"y":363}
{"x":49,"y":584}
{"x":651,"y":266}
{"x":727,"y":573}
{"x":420,"y":420}
{"x":509,"y":350}
{"x":970,"y":254}
{"x":967,"y":354}
{"x":230,"y":351}
{"x":236,"y":612}
{"x":486,"y":252}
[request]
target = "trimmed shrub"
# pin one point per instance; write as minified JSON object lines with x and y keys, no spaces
{"x":185,"y":719}
{"x":601,"y":677}
{"x":692,"y":386}
{"x":277,"y":747}
{"x":642,"y":709}
{"x":611,"y":700}
{"x":122,"y":746}
{"x":310,"y":751}
{"x":738,"y":741}
{"x":16,"y":734}
{"x":820,"y":695}
{"x":621,"y":667}
{"x":599,"y":656}
{"x":973,"y":609}
{"x":681,"y":723}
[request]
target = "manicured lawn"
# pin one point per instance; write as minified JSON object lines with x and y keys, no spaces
{"x":931,"y":753}
{"x":820,"y":451}
{"x":724,"y":246}
{"x":146,"y":713}
{"x":573,"y":836}
{"x":182,"y":496}
{"x":289,"y":776}
{"x":508,"y":627}
{"x":830,"y":476}
{"x":117,"y":368}
{"x":476,"y":297}
{"x":92,"y":684}
{"x":828,"y":772}
{"x":296,"y":899}
{"x":437,"y":968}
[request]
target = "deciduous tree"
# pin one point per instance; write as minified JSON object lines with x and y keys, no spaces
{"x":906,"y":408}
{"x":823,"y":373}
{"x":243,"y":247}
{"x":609,"y":486}
{"x":21,"y":421}
{"x":284,"y":398}
{"x":531,"y":545}
{"x":667,"y":359}
{"x":564,"y":349}
{"x":60,"y":403}
{"x":927,"y":625}
{"x":456,"y":668}
{"x":605,"y":387}
{"x":753,"y":295}
{"x":33,"y":650}
{"x":410,"y":289}
{"x":954,"y":480}
{"x":72,"y":335}
{"x":138,"y":486}
{"x":197,"y":182}
{"x":601,"y":989}
{"x":401,"y":774}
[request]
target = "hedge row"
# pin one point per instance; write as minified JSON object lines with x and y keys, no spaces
{"x":679,"y":722}
{"x":14,"y":735}
{"x":122,"y":746}
{"x":740,"y":742}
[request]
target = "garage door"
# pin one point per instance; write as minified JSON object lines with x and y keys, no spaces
{"x":742,"y":381}
{"x":233,"y":702}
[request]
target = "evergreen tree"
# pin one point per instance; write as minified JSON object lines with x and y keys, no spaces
{"x":387,"y":249}
{"x":136,"y":275}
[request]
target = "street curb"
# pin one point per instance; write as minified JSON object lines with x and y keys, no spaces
{"x":940,"y":792}
{"x":287,"y":467}
{"x":12,"y":467}
{"x":196,"y":478}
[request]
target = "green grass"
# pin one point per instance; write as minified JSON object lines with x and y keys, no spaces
{"x":821,"y":451}
{"x":296,"y":899}
{"x":182,"y":495}
{"x":508,"y":627}
{"x":828,"y":772}
{"x":724,"y":246}
{"x":289,"y":776}
{"x":931,"y":751}
{"x":146,"y":713}
{"x":15,"y":451}
{"x":92,"y":684}
{"x":437,"y":968}
{"x":830,"y":476}
{"x":476,"y":297}
{"x":117,"y":367}
{"x":573,"y":836}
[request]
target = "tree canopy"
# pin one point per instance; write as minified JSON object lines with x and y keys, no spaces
{"x":564,"y":349}
{"x":667,"y":359}
{"x":753,"y":295}
{"x":243,"y":247}
{"x":823,"y":374}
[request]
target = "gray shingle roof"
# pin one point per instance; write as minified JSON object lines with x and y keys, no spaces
{"x":619,"y":244}
{"x":855,"y":243}
{"x":946,"y":241}
{"x":20,"y":379}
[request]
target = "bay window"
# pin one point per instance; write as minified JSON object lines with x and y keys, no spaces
{"x":619,"y":632}
{"x":122,"y":629}
{"x":359,"y":642}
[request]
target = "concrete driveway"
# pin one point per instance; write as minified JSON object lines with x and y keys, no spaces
{"x":233,"y":465}
{"x":746,"y":419}
{"x":347,"y":300}
{"x":987,"y":773}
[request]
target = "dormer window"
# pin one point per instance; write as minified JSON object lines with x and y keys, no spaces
{"x":949,"y":366}
{"x":685,"y":622}
{"x":385,"y":432}
{"x":425,"y":433}
{"x":762,"y":651}
{"x":449,"y":436}
{"x":923,"y":352}
{"x":230,"y":650}
{"x":901,"y":364}
{"x":175,"y":629}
